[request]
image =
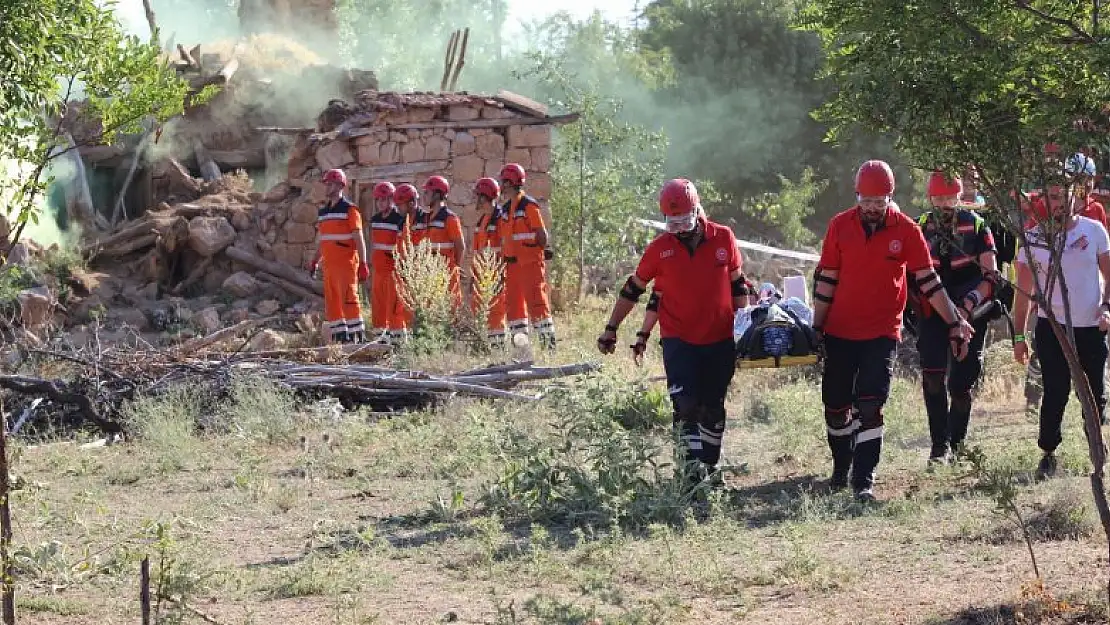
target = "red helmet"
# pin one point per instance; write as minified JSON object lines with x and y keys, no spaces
{"x":941,"y":185}
{"x":874,"y":179}
{"x":384,"y":191}
{"x":335,"y":175}
{"x":437,"y":183}
{"x":678,"y":197}
{"x":405,"y":193}
{"x":487,"y":187}
{"x":513,"y":174}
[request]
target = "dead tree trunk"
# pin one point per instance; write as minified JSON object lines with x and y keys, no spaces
{"x":8,"y":593}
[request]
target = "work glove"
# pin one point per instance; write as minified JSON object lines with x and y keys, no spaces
{"x":363,"y":271}
{"x":819,"y":344}
{"x":607,"y":342}
{"x":548,"y":254}
{"x":639,"y":347}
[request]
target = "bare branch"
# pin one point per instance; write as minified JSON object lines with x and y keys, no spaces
{"x":1059,"y":21}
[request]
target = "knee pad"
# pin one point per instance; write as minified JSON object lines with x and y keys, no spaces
{"x":961,"y":397}
{"x":712,"y":415}
{"x":932,"y":382}
{"x":685,"y":409}
{"x":838,"y":418}
{"x":870,"y":414}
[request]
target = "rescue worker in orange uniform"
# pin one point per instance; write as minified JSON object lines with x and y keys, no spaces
{"x":524,"y":241}
{"x":406,"y":199}
{"x":486,"y":235}
{"x":442,"y":228}
{"x":386,"y":228}
{"x":341,"y":251}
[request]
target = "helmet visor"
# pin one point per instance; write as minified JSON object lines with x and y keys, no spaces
{"x":682,"y":223}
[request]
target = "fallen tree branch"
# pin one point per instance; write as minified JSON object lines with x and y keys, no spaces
{"x":38,"y":386}
{"x":197,"y":344}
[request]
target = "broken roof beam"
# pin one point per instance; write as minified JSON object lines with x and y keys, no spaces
{"x":520,"y":103}
{"x":554,"y":120}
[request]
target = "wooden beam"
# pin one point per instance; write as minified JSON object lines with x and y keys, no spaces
{"x":520,"y":103}
{"x":238,"y":159}
{"x":285,"y":131}
{"x":281,"y":270}
{"x":382,"y":172}
{"x":96,"y":153}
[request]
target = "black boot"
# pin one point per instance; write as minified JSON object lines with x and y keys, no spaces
{"x":841,"y":444}
{"x":958,"y":418}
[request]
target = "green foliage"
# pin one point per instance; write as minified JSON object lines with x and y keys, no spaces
{"x":70,"y":49}
{"x":747,"y":82}
{"x":986,"y":83}
{"x":593,"y":472}
{"x":410,"y":57}
{"x":739,"y":109}
{"x":606,"y":169}
{"x":788,"y":208}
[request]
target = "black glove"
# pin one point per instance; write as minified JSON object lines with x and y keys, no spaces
{"x":548,"y":254}
{"x":819,"y":344}
{"x":607,"y":342}
{"x":640,"y":346}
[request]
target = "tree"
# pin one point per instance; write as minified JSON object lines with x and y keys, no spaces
{"x":57,"y":51}
{"x":746,"y":83}
{"x":406,"y":41}
{"x":606,"y":169}
{"x":985,"y":83}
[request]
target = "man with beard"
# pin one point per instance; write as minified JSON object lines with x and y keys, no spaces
{"x":963,"y":253}
{"x":860,"y":292}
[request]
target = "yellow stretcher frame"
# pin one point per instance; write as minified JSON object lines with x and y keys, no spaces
{"x":776,"y":363}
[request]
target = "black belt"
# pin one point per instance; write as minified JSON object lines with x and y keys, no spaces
{"x":510,"y":259}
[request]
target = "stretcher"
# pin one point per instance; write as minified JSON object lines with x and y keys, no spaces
{"x":775,"y":363}
{"x":794,"y":287}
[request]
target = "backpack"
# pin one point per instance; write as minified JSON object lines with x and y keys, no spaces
{"x":776,"y":332}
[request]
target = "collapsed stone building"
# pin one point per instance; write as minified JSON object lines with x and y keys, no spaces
{"x":210,"y":219}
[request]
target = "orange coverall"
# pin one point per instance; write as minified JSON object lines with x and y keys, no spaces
{"x":339,"y":226}
{"x":525,"y":269}
{"x":442,"y":228}
{"x":386,"y":310}
{"x":486,"y":235}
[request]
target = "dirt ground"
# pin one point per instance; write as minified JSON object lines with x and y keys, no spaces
{"x":308,"y":518}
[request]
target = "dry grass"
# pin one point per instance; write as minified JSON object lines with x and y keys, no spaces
{"x":265,"y":510}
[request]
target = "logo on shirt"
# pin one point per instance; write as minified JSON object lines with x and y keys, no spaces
{"x":666,"y":254}
{"x":722,"y":254}
{"x":895,"y":246}
{"x":1080,"y":244}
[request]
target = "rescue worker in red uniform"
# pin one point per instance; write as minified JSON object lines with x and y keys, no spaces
{"x":386,"y":228}
{"x":486,"y":236}
{"x":859,"y":295}
{"x":1080,"y":168}
{"x":524,"y":242}
{"x":696,"y":268}
{"x":341,"y":253}
{"x":963,"y":254}
{"x":406,"y":198}
{"x":442,"y":228}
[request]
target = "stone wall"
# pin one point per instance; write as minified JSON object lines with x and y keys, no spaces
{"x":462,"y":142}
